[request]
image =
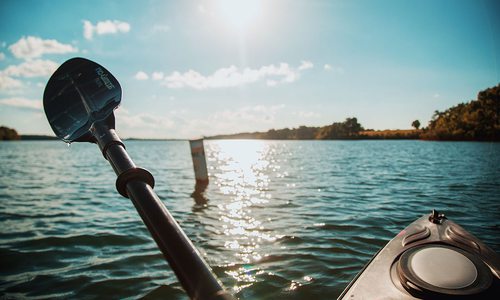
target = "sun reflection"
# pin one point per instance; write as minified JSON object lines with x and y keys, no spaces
{"x":243,"y":174}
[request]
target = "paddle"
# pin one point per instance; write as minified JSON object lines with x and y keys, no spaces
{"x":79,"y":100}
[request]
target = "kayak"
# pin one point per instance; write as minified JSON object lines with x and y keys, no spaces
{"x":433,"y":258}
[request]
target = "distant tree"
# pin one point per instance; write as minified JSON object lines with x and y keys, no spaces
{"x":7,"y":134}
{"x":416,"y":124}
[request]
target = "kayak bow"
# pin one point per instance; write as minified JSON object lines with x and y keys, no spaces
{"x":433,"y":258}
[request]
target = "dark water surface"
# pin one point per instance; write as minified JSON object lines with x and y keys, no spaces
{"x":284,"y":219}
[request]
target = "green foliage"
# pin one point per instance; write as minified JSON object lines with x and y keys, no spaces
{"x":477,"y":120}
{"x":7,"y":134}
{"x":348,"y":129}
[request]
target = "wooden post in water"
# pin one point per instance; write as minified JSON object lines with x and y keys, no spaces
{"x":199,"y":161}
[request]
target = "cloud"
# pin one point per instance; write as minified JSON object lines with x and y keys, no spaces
{"x":305,"y":64}
{"x":27,"y":69}
{"x":31,"y":68}
{"x":330,"y":68}
{"x":271,"y":82}
{"x":33,"y":47}
{"x":9,"y":83}
{"x":22,"y":103}
{"x":244,"y":119}
{"x":141,"y":76}
{"x":2,"y":56}
{"x":157,"y":75}
{"x":233,"y":76}
{"x":104,"y":27}
{"x":143,"y":125}
{"x":306,"y":114}
{"x":250,"y":114}
{"x":181,"y":123}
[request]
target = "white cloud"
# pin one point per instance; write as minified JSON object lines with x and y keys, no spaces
{"x":181,"y":123}
{"x":33,"y":47}
{"x":104,"y":27}
{"x":22,"y":103}
{"x":9,"y":83}
{"x":2,"y":56}
{"x":306,"y":114}
{"x":305,"y":64}
{"x":271,"y":82}
{"x":143,"y":125}
{"x":31,"y":68}
{"x":330,"y":68}
{"x":233,"y":76}
{"x":157,"y":75}
{"x":436,"y":95}
{"x":244,"y":119}
{"x":141,"y":76}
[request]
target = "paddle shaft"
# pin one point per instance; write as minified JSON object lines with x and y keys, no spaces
{"x":193,"y":272}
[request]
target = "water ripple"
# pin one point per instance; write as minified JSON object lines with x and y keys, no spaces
{"x":279,"y":219}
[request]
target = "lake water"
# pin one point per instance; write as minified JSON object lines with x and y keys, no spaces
{"x":282,"y":219}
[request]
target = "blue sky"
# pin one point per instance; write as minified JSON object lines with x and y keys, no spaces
{"x":192,"y":68}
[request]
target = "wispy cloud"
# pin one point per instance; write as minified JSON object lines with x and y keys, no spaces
{"x":330,"y":68}
{"x":306,"y":114}
{"x":180,"y":124}
{"x":233,"y":76}
{"x":157,"y":75}
{"x":22,"y":103}
{"x":243,"y":119}
{"x":2,"y":56}
{"x":9,"y":83}
{"x":33,"y":47}
{"x":31,"y":68}
{"x":104,"y":27}
{"x":141,"y":76}
{"x":27,"y":69}
{"x":305,"y":64}
{"x":144,"y":125}
{"x":250,"y":114}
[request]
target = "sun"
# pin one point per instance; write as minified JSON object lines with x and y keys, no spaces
{"x":240,"y":15}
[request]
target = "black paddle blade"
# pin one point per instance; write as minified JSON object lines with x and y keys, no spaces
{"x":79,"y":93}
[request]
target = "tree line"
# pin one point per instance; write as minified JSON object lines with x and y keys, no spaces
{"x":477,"y":120}
{"x":349,"y":129}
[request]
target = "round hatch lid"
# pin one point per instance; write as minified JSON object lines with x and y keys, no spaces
{"x":443,"y":270}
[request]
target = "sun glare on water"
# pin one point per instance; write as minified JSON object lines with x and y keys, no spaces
{"x":240,"y":15}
